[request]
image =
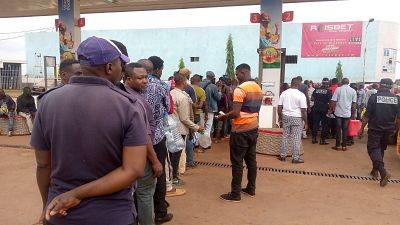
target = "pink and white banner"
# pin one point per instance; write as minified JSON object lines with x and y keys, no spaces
{"x":336,"y":39}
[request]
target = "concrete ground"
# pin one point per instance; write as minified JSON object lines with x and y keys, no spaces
{"x":281,"y":198}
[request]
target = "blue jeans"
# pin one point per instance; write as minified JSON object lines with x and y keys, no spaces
{"x":144,"y":196}
{"x":10,"y":116}
{"x":189,"y":151}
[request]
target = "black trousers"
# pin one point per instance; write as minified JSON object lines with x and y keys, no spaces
{"x":377,"y":144}
{"x":175,"y":157}
{"x":318,"y":118}
{"x":160,"y":206}
{"x":332,"y":126}
{"x":310,"y":119}
{"x":243,"y":147}
{"x":342,"y":124}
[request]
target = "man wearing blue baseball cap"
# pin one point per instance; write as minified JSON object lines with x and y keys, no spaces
{"x":89,"y":143}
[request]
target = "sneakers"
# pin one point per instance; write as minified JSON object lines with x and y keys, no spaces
{"x":385,"y":179}
{"x":374,"y":173}
{"x":314,"y":140}
{"x":177,"y":182}
{"x":191,"y":165}
{"x":168,"y":217}
{"x":281,"y":158}
{"x":9,"y":133}
{"x":304,"y":135}
{"x":248,"y":192}
{"x":230,"y":198}
{"x":297,"y":161}
{"x":323,"y":142}
{"x":175,"y":192}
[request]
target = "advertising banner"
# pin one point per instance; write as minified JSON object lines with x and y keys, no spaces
{"x":66,"y":28}
{"x":270,"y":33}
{"x":336,"y":39}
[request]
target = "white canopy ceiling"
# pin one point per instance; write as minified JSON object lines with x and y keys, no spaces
{"x":20,"y":8}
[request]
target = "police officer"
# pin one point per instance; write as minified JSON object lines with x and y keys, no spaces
{"x":382,"y":113}
{"x":321,"y":97}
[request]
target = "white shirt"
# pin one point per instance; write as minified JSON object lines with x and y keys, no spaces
{"x":344,"y":97}
{"x":368,"y":95}
{"x":292,"y":101}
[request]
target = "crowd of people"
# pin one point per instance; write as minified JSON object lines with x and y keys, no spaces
{"x":100,"y":137}
{"x":329,"y":107}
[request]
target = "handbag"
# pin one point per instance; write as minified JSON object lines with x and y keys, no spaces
{"x":354,"y":128}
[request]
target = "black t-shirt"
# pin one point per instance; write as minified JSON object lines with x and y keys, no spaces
{"x":382,"y":111}
{"x":322,"y":96}
{"x":26,"y":104}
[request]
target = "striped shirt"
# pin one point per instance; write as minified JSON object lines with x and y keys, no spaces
{"x":250,"y":95}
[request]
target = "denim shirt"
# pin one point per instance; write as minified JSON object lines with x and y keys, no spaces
{"x":157,"y":95}
{"x":212,"y":95}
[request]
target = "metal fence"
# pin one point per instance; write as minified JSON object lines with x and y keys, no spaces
{"x":10,"y":76}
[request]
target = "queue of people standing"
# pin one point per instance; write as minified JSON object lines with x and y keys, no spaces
{"x":333,"y":105}
{"x":101,"y":143}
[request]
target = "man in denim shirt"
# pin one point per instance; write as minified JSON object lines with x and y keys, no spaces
{"x":212,"y":98}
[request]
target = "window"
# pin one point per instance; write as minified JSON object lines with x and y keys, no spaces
{"x":194,"y":59}
{"x":291,"y":59}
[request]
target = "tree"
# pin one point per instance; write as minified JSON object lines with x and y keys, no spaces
{"x":230,"y":58}
{"x":339,"y":72}
{"x":181,"y":64}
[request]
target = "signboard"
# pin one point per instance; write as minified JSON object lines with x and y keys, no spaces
{"x":288,"y":16}
{"x":49,"y":61}
{"x":66,"y":29}
{"x":270,"y":33}
{"x":389,"y":60}
{"x":336,"y":39}
{"x":255,"y":17}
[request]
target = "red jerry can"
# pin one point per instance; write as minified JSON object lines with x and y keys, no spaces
{"x":354,"y":127}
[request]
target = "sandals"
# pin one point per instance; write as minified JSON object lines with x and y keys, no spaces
{"x":175,"y":192}
{"x":339,"y":148}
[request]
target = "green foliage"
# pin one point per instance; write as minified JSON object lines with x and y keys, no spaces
{"x":181,"y":64}
{"x":230,"y":58}
{"x":339,"y":72}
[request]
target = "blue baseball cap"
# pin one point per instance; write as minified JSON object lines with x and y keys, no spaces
{"x":96,"y":51}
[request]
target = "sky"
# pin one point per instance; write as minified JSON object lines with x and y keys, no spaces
{"x":12,"y":43}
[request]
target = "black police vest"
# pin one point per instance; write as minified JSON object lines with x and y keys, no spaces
{"x":322,"y":96}
{"x":382,"y":111}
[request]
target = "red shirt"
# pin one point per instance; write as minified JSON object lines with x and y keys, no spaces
{"x":333,"y":88}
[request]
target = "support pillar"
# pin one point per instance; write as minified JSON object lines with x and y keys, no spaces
{"x":69,"y":32}
{"x":270,"y":57}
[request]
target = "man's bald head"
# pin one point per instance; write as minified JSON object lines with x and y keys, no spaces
{"x":147,"y":64}
{"x":345,"y":81}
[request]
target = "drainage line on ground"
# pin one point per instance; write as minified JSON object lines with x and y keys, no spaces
{"x":301,"y":172}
